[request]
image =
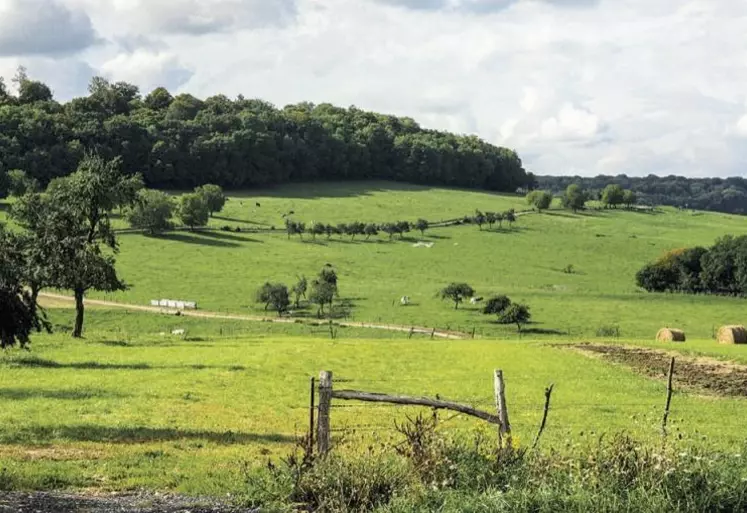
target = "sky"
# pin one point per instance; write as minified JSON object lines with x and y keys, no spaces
{"x":581,"y":87}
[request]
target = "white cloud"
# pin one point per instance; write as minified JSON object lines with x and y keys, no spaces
{"x":148,"y":69}
{"x":43,"y":27}
{"x":571,"y":123}
{"x":575,"y":86}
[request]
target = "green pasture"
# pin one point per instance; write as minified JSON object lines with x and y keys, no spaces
{"x":128,"y":408}
{"x":222,"y":270}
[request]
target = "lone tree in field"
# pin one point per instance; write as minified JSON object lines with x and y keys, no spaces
{"x":496,"y":305}
{"x":541,"y":200}
{"x":480,"y":219}
{"x":457,"y":292}
{"x":299,"y":289}
{"x":613,"y":196}
{"x":574,"y":198}
{"x":76,"y":228}
{"x":421,"y":225}
{"x":213,"y":196}
{"x":193,"y":210}
{"x":19,"y":315}
{"x":515,"y":314}
{"x":151,"y":212}
{"x":324,"y":289}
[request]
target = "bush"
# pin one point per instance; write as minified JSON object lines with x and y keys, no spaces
{"x":515,"y":314}
{"x":496,"y":305}
{"x":608,"y":332}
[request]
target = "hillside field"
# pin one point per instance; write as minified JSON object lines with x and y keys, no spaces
{"x":127,"y":408}
{"x":221,"y":270}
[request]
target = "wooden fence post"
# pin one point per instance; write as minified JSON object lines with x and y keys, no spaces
{"x":504,"y":431}
{"x":669,"y":400}
{"x":325,"y":400}
{"x":312,"y":391}
{"x":433,"y":333}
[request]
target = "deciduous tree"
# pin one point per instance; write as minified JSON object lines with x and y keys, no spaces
{"x":457,"y":292}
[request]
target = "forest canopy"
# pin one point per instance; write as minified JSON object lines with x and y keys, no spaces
{"x":179,"y":141}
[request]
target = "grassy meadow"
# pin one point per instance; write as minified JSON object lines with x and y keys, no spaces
{"x":222,"y":270}
{"x":125,"y":411}
{"x":131,"y":406}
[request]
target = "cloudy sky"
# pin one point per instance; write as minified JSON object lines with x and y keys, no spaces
{"x":575,"y":86}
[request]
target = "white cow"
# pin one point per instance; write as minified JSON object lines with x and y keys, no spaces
{"x":178,"y":333}
{"x":405,"y":300}
{"x":475,"y":300}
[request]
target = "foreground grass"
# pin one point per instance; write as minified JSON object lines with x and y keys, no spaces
{"x":118,"y":412}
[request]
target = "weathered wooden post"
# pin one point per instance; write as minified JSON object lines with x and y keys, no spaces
{"x":433,"y":333}
{"x":312,"y":391}
{"x":504,"y":431}
{"x":669,"y":400}
{"x":325,"y":401}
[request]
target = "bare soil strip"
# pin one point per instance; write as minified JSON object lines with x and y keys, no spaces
{"x":451,"y":335}
{"x":704,"y":374}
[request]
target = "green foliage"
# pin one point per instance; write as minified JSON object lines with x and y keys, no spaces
{"x":541,"y":200}
{"x":457,"y":292}
{"x":317,"y":229}
{"x":324,"y":289}
{"x":480,"y":219}
{"x":510,"y":217}
{"x":630,"y":198}
{"x":720,"y":195}
{"x":193,"y":210}
{"x":19,"y":183}
{"x":613,"y":196}
{"x":213,"y":196}
{"x":279,"y":299}
{"x":496,"y":305}
{"x":183,"y":142}
{"x":574,"y":198}
{"x":515,"y":314}
{"x":151,"y":211}
{"x":299,"y":289}
{"x":371,"y":230}
{"x":421,"y":225}
{"x":19,"y":315}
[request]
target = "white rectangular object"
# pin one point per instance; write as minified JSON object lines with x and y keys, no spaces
{"x":180,"y":305}
{"x":171,"y":304}
{"x":155,"y":302}
{"x":163,"y":302}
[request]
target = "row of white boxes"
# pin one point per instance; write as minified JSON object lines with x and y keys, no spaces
{"x":178,"y":305}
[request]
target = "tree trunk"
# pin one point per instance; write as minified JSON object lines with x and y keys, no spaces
{"x":79,"y":313}
{"x":34,"y":297}
{"x":456,"y":305}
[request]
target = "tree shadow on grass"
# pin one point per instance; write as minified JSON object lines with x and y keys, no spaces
{"x":437,"y":237}
{"x":20,"y":394}
{"x":41,"y":363}
{"x":241,"y":221}
{"x":541,"y":331}
{"x":194,"y":239}
{"x":225,"y":236}
{"x":132,"y":435}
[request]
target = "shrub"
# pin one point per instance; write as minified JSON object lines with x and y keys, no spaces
{"x":151,"y":211}
{"x":496,"y":305}
{"x":515,"y":314}
{"x":457,"y":292}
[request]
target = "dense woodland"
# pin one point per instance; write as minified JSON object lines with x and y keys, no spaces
{"x":182,"y":142}
{"x":715,"y":194}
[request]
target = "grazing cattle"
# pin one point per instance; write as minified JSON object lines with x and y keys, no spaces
{"x":405,"y":300}
{"x":258,"y":205}
{"x":475,"y":300}
{"x":178,"y":333}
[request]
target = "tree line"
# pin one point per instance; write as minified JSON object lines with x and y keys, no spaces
{"x":715,"y":194}
{"x":575,"y":197}
{"x":720,"y":269}
{"x":180,"y":142}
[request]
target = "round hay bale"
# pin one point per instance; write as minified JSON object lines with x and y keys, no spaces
{"x":670,"y":335}
{"x":732,"y":335}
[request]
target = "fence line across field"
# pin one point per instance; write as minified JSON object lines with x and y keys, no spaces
{"x":322,"y":428}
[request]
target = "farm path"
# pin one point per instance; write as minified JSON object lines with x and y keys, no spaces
{"x":444,"y":334}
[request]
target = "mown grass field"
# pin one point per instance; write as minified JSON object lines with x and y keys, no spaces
{"x":221,"y":270}
{"x":127,"y":408}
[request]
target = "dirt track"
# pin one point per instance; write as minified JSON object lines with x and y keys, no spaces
{"x":451,"y":335}
{"x":700,"y":373}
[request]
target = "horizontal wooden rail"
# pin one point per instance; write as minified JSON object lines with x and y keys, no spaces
{"x":353,"y":395}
